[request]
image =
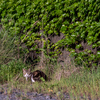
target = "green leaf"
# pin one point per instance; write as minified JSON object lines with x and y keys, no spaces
{"x":98,"y":42}
{"x":42,"y":79}
{"x":98,"y":52}
{"x":63,"y":29}
{"x":94,"y":45}
{"x":78,"y":46}
{"x":92,"y":56}
{"x":73,"y":54}
{"x":50,"y":31}
{"x":89,"y":42}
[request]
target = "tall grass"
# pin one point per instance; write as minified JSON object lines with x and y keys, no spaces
{"x":84,"y":83}
{"x":11,"y":70}
{"x":80,"y":83}
{"x":10,"y":66}
{"x":7,"y":47}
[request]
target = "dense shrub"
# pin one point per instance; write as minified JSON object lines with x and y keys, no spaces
{"x":10,"y":70}
{"x":78,"y":20}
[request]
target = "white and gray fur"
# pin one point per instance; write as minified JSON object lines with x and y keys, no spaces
{"x":34,"y":76}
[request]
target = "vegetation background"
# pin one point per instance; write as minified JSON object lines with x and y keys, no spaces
{"x":48,"y":33}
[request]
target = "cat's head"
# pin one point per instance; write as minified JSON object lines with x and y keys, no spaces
{"x":26,"y":73}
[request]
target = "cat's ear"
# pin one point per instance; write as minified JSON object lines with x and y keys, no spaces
{"x":23,"y":70}
{"x":29,"y":69}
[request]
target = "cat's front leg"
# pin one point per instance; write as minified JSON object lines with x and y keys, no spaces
{"x":26,"y":79}
{"x":32,"y":79}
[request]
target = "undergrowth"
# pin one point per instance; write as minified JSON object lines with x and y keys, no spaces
{"x":74,"y":80}
{"x":78,"y":82}
{"x":11,"y":71}
{"x":10,"y":65}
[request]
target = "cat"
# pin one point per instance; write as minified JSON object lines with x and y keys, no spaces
{"x":34,"y":76}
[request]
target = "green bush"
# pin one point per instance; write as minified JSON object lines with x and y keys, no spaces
{"x":78,"y":20}
{"x":10,"y":70}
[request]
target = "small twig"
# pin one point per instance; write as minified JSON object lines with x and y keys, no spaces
{"x":17,"y":77}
